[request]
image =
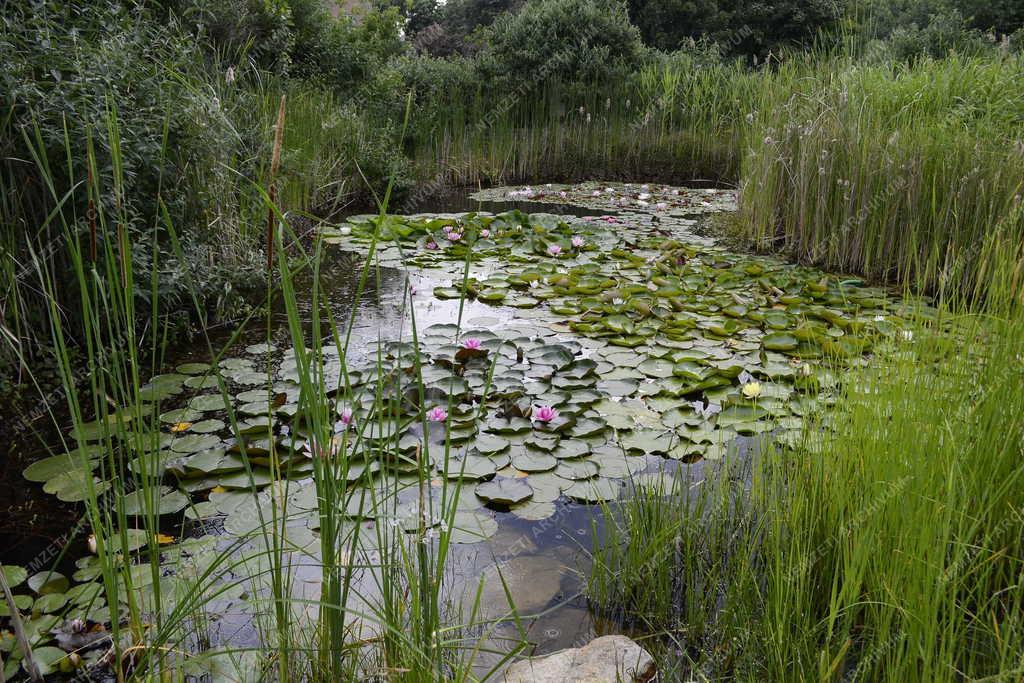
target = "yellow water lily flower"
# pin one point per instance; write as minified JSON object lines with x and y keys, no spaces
{"x":752,"y":389}
{"x":180,"y":427}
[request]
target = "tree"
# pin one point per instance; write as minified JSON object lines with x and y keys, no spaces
{"x":741,"y":28}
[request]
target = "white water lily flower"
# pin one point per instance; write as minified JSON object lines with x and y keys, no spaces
{"x":644,"y":195}
{"x":618,"y":302}
{"x":345,"y":230}
{"x":879,"y":318}
{"x":752,"y":389}
{"x":907,"y":335}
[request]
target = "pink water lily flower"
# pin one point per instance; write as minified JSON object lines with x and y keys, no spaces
{"x":545,"y":414}
{"x":472,"y":343}
{"x":437,"y":414}
{"x":454,"y":236}
{"x":554,"y":250}
{"x":431,"y":244}
{"x":578,"y":241}
{"x":485,"y":233}
{"x":346,"y":417}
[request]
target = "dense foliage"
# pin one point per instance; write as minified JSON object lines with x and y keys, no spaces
{"x":170,"y":105}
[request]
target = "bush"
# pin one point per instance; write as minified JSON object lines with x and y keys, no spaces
{"x":98,"y":91}
{"x":572,"y":41}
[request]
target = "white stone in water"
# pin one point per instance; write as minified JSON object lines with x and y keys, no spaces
{"x":608,"y":659}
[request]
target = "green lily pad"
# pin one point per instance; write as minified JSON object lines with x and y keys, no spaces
{"x":45,"y":583}
{"x":780,"y":341}
{"x":575,"y":470}
{"x":533,"y":511}
{"x":14,"y":575}
{"x":193,"y":368}
{"x":595,"y":490}
{"x":472,"y":526}
{"x":53,"y":466}
{"x":504,"y":491}
{"x":534,"y":462}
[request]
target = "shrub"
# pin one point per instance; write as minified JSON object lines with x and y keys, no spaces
{"x":572,"y":41}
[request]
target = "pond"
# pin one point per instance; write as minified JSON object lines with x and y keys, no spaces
{"x":510,"y":367}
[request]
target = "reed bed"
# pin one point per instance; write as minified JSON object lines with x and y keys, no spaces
{"x":903,"y":173}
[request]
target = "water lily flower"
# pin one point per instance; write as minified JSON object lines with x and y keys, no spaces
{"x":472,"y":343}
{"x":91,"y":542}
{"x":879,"y":318}
{"x":534,"y":284}
{"x":644,"y":195}
{"x":595,"y":193}
{"x":563,"y":194}
{"x":661,"y":206}
{"x":609,"y":190}
{"x":578,"y":241}
{"x":345,"y":230}
{"x":346,"y":419}
{"x":554,"y":250}
{"x":437,"y":414}
{"x":485,"y":233}
{"x":431,"y":244}
{"x":907,"y":335}
{"x":752,"y":389}
{"x":454,"y":236}
{"x":545,"y":414}
{"x":77,"y":625}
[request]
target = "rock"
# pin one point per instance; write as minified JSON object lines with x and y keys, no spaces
{"x":608,"y":659}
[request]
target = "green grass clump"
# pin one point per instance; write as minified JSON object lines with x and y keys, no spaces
{"x":886,"y":547}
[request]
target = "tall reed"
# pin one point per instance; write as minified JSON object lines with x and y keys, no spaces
{"x":910,"y":174}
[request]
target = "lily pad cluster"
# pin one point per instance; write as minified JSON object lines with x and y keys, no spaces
{"x":651,"y":197}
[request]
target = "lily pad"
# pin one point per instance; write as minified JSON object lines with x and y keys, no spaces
{"x":504,"y":491}
{"x":595,"y":490}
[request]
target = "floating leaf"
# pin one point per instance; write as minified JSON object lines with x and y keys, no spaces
{"x":504,"y":491}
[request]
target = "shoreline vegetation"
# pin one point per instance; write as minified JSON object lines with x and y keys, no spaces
{"x":145,"y":173}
